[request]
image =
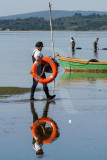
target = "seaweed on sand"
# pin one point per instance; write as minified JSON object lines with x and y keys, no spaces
{"x":9,"y":91}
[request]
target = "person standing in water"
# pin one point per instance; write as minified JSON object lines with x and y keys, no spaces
{"x":96,"y":44}
{"x":72,"y":42}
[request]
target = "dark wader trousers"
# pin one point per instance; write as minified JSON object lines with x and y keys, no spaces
{"x":35,"y":115}
{"x":35,"y":83}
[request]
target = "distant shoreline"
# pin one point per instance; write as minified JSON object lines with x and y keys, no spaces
{"x":56,"y":31}
{"x":77,"y":22}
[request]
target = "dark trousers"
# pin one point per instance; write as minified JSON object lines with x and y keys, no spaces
{"x":35,"y":115}
{"x":35,"y":83}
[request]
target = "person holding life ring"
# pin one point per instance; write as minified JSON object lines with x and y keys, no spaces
{"x":37,"y":58}
{"x":42,"y":133}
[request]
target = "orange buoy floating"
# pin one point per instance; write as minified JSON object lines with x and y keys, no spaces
{"x":46,"y":120}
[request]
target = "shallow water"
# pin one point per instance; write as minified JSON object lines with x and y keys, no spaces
{"x":79,"y":109}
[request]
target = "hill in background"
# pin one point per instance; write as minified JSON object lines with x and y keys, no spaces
{"x":55,"y":14}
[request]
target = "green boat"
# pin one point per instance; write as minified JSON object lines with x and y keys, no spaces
{"x":79,"y":65}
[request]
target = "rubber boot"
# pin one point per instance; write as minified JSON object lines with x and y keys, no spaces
{"x":49,"y":97}
{"x":46,"y":91}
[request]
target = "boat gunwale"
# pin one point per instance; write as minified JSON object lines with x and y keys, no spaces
{"x":80,"y":60}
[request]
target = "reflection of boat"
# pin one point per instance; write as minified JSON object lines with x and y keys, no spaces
{"x":71,"y":76}
{"x":72,"y":64}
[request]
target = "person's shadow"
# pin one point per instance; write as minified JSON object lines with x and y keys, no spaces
{"x":44,"y":129}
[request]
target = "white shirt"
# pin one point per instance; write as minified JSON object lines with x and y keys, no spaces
{"x":71,"y":41}
{"x":36,"y":53}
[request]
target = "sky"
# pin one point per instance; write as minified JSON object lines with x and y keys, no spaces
{"x":12,"y":7}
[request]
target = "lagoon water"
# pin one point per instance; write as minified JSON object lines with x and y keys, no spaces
{"x":80,"y":106}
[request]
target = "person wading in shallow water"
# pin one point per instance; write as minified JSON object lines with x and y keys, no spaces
{"x":96,"y":44}
{"x":37,"y":56}
{"x":72,"y":42}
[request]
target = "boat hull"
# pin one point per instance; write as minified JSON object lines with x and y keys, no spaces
{"x":71,"y":64}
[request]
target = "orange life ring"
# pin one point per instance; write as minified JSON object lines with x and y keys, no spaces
{"x":44,"y":80}
{"x":38,"y":122}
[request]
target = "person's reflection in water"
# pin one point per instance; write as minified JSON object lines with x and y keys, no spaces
{"x":72,"y":52}
{"x":96,"y":53}
{"x":42,"y":130}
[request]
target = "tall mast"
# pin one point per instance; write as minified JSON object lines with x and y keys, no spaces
{"x":51,"y":30}
{"x":52,"y":42}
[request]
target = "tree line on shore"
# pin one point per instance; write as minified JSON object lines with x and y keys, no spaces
{"x":77,"y":22}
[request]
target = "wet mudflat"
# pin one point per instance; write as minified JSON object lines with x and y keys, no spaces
{"x":79,"y":108}
{"x":80,"y":111}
